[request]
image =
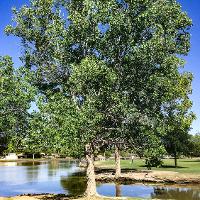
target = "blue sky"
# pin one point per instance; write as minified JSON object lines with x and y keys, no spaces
{"x":11,"y":45}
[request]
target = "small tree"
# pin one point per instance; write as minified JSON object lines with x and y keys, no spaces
{"x":194,"y":145}
{"x":179,"y":118}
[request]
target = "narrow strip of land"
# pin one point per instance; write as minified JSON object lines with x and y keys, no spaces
{"x":55,"y":197}
{"x":187,"y":171}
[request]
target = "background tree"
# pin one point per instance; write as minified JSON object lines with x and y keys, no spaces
{"x":179,"y":118}
{"x":194,"y":145}
{"x":15,"y":100}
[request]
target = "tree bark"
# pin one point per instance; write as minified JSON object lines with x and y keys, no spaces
{"x":175,"y":159}
{"x":132,"y":157}
{"x":90,"y":174}
{"x":117,"y":162}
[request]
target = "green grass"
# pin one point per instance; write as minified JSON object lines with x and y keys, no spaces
{"x":184,"y":165}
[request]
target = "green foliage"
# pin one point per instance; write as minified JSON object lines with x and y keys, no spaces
{"x":82,"y":118}
{"x":152,"y":150}
{"x":179,"y":118}
{"x":15,"y":97}
{"x":37,"y":138}
{"x":194,"y":145}
{"x":124,"y":153}
{"x":153,"y":161}
{"x":108,"y":153}
{"x":153,"y":156}
{"x":108,"y":71}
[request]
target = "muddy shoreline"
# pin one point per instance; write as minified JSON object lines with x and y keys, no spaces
{"x":52,"y":197}
{"x":62,"y":197}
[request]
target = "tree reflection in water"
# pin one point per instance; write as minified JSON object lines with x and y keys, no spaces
{"x":55,"y":165}
{"x":176,"y":193}
{"x":32,"y":171}
{"x":75,"y":184}
{"x":52,"y":167}
{"x":118,"y":192}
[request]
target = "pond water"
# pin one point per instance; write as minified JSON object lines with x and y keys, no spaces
{"x":64,"y":177}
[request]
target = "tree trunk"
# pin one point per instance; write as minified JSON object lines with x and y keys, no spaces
{"x":118,"y":190}
{"x":117,"y":162}
{"x":33,"y":156}
{"x":90,"y":174}
{"x":175,"y":159}
{"x":132,"y":158}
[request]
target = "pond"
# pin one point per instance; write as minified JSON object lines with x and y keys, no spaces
{"x":65,"y":177}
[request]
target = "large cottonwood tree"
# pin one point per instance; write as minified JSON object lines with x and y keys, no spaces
{"x":80,"y":48}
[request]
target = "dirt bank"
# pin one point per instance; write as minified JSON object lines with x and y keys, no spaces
{"x":150,"y":176}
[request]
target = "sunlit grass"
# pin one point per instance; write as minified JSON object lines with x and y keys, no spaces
{"x":184,"y":165}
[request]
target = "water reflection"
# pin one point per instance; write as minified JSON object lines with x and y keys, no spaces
{"x":52,"y":168}
{"x":151,"y":191}
{"x":32,"y":172}
{"x":34,"y":177}
{"x":31,"y":163}
{"x":75,"y":184}
{"x":65,"y":177}
{"x":22,"y":163}
{"x":8,"y":164}
{"x":118,"y":192}
{"x":176,"y":193}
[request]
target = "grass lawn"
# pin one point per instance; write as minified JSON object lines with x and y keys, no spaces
{"x":184,"y":165}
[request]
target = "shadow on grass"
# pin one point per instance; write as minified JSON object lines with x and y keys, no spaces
{"x":172,"y":166}
{"x":166,"y":167}
{"x":109,"y":170}
{"x":190,"y":160}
